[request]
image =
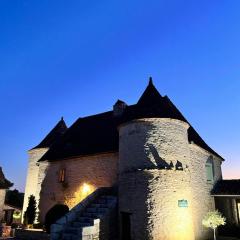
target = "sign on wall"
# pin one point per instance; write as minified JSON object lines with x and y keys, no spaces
{"x":183,"y":203}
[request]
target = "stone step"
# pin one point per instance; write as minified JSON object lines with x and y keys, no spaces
{"x":85,"y":219}
{"x":99,"y":205}
{"x":70,"y":236}
{"x":73,"y":230}
{"x":106,"y":200}
{"x":81,"y":224}
{"x":92,"y":215}
{"x":91,"y":210}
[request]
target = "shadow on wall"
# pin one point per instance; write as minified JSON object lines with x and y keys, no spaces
{"x":151,"y":183}
{"x":162,"y":164}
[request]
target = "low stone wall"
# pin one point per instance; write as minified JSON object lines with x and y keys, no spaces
{"x":31,"y":235}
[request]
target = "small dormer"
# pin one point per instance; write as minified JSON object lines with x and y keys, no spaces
{"x":119,"y":107}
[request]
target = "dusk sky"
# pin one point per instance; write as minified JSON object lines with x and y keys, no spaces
{"x":76,"y":58}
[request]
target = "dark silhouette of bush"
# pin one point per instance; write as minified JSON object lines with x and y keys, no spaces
{"x":14,"y":198}
{"x":54,"y":214}
{"x":30,"y":214}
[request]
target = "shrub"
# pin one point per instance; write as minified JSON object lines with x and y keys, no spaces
{"x":30,"y":214}
{"x":213,"y":220}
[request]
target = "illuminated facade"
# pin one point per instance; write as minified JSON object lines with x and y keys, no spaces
{"x":163,"y":169}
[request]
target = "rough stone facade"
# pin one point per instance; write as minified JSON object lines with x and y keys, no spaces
{"x":32,"y":186}
{"x":2,"y":200}
{"x":91,"y":171}
{"x":202,"y":199}
{"x":150,"y":191}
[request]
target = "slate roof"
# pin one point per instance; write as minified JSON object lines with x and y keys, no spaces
{"x":54,"y":135}
{"x":99,"y":133}
{"x":4,"y":183}
{"x":227,"y":187}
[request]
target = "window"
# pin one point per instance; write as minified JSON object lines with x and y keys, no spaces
{"x":61,"y":175}
{"x":209,"y":170}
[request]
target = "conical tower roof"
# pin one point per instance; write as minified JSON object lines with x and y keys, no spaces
{"x":4,"y":183}
{"x":150,"y":96}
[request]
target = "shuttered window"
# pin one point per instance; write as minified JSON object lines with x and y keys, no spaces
{"x":61,"y":176}
{"x":209,"y":172}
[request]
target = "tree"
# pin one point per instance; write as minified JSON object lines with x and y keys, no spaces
{"x":212,"y":220}
{"x":30,"y":214}
{"x":14,"y":198}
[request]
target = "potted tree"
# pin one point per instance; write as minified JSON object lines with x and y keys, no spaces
{"x":213,"y":220}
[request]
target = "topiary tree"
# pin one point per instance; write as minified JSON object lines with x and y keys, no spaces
{"x":30,"y":214}
{"x":212,"y":220}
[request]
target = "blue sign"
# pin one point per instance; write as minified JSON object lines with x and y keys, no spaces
{"x":183,"y":203}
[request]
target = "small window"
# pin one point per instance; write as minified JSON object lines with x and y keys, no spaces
{"x":209,"y":170}
{"x":61,"y":176}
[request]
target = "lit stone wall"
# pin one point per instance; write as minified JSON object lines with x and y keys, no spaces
{"x":2,"y":200}
{"x":152,"y":198}
{"x":31,"y":187}
{"x":83,"y":176}
{"x":149,"y":193}
{"x":202,"y":200}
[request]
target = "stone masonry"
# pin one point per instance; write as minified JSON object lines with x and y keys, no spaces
{"x":2,"y":200}
{"x":158,"y":167}
{"x":95,"y":171}
{"x":32,"y":186}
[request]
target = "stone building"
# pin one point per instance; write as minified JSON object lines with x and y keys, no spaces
{"x":4,"y":185}
{"x":162,"y":169}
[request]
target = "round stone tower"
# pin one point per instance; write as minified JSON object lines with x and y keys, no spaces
{"x":155,"y":199}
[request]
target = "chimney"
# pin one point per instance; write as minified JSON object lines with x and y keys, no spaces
{"x":119,"y":107}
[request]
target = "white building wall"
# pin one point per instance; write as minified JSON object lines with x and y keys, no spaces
{"x":201,"y":188}
{"x":31,"y":187}
{"x":2,"y":200}
{"x":151,"y":194}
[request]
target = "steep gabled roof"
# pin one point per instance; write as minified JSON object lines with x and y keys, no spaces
{"x":98,"y":133}
{"x":54,"y":135}
{"x":227,"y":187}
{"x":4,"y":183}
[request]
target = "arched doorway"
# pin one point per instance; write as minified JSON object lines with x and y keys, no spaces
{"x":54,"y":214}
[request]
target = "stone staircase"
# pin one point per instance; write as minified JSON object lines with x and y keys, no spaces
{"x":94,"y":219}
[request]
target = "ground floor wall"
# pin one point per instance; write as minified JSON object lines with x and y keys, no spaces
{"x":82,"y":176}
{"x":203,"y":202}
{"x":2,"y":200}
{"x":159,"y":203}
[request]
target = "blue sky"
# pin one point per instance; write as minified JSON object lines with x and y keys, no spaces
{"x":76,"y":58}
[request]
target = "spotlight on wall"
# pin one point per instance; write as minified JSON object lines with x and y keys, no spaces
{"x":86,"y":189}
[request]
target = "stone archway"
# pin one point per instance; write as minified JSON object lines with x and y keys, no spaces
{"x":56,"y":212}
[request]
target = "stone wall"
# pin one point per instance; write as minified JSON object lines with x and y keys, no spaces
{"x":2,"y":200}
{"x":202,"y":200}
{"x":150,"y":193}
{"x":150,"y":187}
{"x":83,"y":176}
{"x":151,"y":196}
{"x":32,"y":176}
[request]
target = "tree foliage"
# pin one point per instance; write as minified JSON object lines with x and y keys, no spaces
{"x":14,"y":198}
{"x":30,"y":214}
{"x":213,"y":220}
